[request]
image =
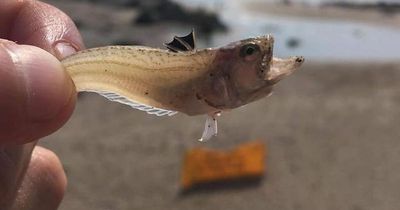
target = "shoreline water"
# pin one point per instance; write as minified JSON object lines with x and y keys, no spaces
{"x":373,"y":17}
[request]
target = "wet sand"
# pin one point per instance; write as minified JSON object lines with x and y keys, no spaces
{"x":332,"y":131}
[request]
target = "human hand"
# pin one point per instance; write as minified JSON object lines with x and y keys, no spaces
{"x":36,"y":98}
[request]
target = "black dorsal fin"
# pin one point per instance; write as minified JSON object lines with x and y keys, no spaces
{"x":183,"y":43}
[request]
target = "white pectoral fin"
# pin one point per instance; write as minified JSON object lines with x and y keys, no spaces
{"x":143,"y":107}
{"x":210,"y":128}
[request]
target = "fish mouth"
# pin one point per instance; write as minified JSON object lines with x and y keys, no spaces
{"x":281,"y":68}
{"x":265,"y":62}
{"x":275,"y":69}
{"x":268,"y":45}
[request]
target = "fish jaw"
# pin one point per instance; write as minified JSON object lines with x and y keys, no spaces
{"x":281,"y":68}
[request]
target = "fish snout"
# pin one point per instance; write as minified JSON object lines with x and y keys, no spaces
{"x":280,"y":68}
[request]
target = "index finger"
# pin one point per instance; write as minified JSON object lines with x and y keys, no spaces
{"x":36,"y":23}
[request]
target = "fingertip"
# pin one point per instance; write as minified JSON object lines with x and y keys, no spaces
{"x":44,"y":184}
{"x":47,"y":164}
{"x":36,"y":95}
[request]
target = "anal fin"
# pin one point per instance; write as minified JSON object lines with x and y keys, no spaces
{"x":134,"y":104}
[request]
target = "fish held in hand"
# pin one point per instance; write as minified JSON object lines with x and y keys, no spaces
{"x":182,"y":79}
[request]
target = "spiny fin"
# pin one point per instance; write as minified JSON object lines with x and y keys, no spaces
{"x":143,"y":107}
{"x":183,"y":43}
{"x":210,"y":128}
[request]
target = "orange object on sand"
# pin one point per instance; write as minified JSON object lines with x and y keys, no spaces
{"x":202,"y":165}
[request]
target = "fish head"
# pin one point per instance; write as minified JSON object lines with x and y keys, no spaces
{"x":246,"y":71}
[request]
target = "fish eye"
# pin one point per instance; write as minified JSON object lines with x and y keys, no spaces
{"x":248,"y":50}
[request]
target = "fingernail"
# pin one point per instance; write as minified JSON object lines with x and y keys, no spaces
{"x":5,"y":41}
{"x":64,"y":49}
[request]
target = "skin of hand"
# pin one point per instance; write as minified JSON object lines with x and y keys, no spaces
{"x":36,"y":98}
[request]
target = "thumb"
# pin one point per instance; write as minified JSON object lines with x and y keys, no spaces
{"x":36,"y":95}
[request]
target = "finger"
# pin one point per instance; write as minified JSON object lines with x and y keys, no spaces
{"x":44,"y":184}
{"x":37,"y":23}
{"x":13,"y":163}
{"x":36,"y":95}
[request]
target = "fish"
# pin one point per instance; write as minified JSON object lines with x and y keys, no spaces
{"x":182,"y":78}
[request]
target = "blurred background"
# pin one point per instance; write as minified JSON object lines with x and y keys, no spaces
{"x":332,"y":128}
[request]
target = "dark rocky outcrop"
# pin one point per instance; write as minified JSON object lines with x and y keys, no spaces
{"x":167,"y":11}
{"x":161,"y":11}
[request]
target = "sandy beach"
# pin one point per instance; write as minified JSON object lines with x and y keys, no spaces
{"x":332,"y":131}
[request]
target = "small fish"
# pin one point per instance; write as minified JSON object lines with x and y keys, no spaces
{"x":182,"y":79}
